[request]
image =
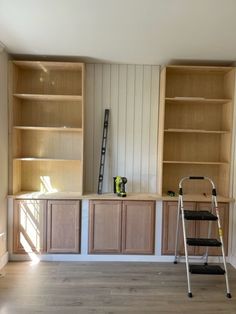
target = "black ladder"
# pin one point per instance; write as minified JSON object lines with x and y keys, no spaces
{"x":103,"y":151}
{"x":211,"y":217}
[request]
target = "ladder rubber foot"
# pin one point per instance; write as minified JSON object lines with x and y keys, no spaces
{"x":190,"y":295}
{"x":175,"y":262}
{"x":229,"y":295}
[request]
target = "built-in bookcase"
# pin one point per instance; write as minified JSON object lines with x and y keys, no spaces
{"x":196,"y":127}
{"x":46,"y":101}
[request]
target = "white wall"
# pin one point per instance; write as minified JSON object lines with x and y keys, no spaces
{"x":3,"y":152}
{"x":131,"y":94}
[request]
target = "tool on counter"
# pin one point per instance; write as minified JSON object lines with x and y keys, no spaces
{"x":119,"y":185}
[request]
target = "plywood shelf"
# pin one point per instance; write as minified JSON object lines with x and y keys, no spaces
{"x":46,"y":97}
{"x":188,"y":69}
{"x":41,"y":128}
{"x":201,"y":100}
{"x":195,"y":162}
{"x":195,"y":131}
{"x":45,"y":159}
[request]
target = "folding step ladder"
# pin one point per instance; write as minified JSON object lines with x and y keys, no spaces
{"x":211,"y":217}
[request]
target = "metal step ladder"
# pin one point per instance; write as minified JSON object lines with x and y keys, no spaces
{"x":211,"y":217}
{"x":103,"y":151}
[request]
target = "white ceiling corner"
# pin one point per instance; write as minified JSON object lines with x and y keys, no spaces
{"x":123,"y":31}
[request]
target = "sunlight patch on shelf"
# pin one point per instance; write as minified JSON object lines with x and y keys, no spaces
{"x":46,"y":185}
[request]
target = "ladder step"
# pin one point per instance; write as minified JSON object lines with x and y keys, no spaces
{"x":199,"y":215}
{"x":203,"y":242}
{"x":206,"y":269}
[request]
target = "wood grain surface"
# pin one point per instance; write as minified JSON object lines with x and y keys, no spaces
{"x":60,"y":287}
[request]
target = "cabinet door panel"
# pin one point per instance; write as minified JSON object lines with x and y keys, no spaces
{"x":63,"y":227}
{"x":29,"y":226}
{"x":202,"y":228}
{"x":138,"y":219}
{"x":169,"y":228}
{"x":105,"y":227}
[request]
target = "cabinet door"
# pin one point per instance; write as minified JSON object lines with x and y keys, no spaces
{"x":105,"y":227}
{"x":202,"y":228}
{"x":169,"y":228}
{"x":29,"y":226}
{"x":63,"y":226}
{"x":138,"y":220}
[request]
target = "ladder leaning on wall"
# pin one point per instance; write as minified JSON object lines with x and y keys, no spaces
{"x":210,"y":216}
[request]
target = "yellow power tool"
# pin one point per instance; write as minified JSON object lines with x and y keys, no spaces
{"x":119,"y":185}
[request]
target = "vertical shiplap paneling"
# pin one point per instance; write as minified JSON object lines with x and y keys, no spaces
{"x":137,"y":151}
{"x":122,"y":93}
{"x":131,"y":93}
{"x":113,"y":126}
{"x":129,"y":139}
{"x":145,"y":128}
{"x":153,"y":129}
{"x":106,"y":103}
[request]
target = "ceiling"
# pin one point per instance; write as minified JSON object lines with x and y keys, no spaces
{"x":123,"y":31}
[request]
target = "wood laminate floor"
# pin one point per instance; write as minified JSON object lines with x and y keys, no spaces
{"x":106,"y":287}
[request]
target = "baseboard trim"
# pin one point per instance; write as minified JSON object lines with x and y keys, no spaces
{"x":105,"y":258}
{"x":4,"y":260}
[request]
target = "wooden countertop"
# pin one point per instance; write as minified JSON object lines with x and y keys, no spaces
{"x":111,"y":196}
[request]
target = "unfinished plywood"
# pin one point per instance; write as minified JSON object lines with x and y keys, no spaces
{"x":45,"y":144}
{"x":202,"y":82}
{"x":196,"y":126}
{"x":47,"y":79}
{"x":67,"y":114}
{"x":50,"y":175}
{"x":191,"y":114}
{"x":46,"y":126}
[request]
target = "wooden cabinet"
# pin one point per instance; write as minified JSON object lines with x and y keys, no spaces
{"x":195,"y":127}
{"x":29,"y":225}
{"x":194,"y":229}
{"x":46,"y":124}
{"x":138,"y":227}
{"x":169,"y":228}
{"x":124,"y":227}
{"x":63,"y":226}
{"x":105,"y":227}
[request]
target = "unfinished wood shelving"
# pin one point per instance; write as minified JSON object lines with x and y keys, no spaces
{"x":195,"y":127}
{"x":46,"y":102}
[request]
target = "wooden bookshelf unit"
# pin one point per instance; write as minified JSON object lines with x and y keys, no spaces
{"x":196,"y":109}
{"x":46,"y":102}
